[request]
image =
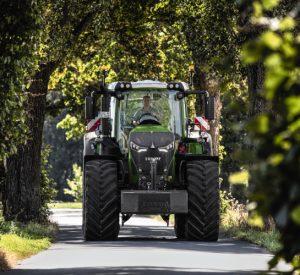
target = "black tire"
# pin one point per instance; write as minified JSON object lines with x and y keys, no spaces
{"x":179,"y":226}
{"x":203,"y":201}
{"x":101,"y":201}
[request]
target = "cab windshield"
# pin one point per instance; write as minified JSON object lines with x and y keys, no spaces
{"x":150,"y":107}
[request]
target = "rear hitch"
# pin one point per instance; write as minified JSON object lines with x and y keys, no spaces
{"x":125,"y":218}
{"x":166,"y":218}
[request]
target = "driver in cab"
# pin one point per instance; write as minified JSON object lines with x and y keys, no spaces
{"x":147,"y":109}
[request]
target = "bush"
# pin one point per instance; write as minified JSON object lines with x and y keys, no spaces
{"x":237,"y":223}
{"x":233,"y":214}
{"x":29,"y":231}
{"x":48,"y":191}
{"x":239,"y":191}
{"x":75,"y":184}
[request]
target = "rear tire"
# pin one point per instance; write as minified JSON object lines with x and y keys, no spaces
{"x":101,"y":201}
{"x":203,"y":201}
{"x":179,"y":227}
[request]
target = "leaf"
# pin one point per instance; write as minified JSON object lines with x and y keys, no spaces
{"x":251,"y":52}
{"x":271,"y":40}
{"x":275,"y":159}
{"x":274,"y":261}
{"x":259,"y":125}
{"x":270,"y":4}
{"x":241,"y":177}
{"x":287,"y":23}
{"x":256,"y":219}
{"x":258,"y":9}
{"x":295,"y":214}
{"x":293,"y":106}
{"x":273,"y":60}
{"x":295,"y":126}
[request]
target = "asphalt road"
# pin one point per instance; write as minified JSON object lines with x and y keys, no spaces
{"x":145,"y":246}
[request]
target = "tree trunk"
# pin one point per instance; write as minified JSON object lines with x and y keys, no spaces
{"x":2,"y":180}
{"x":214,"y":90}
{"x":255,"y":75}
{"x":204,"y":82}
{"x":255,"y":86}
{"x":22,"y":186}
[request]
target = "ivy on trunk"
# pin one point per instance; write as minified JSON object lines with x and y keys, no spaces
{"x":22,"y":199}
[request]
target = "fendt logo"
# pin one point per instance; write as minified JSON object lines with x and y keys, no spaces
{"x":152,"y":159}
{"x":155,"y":206}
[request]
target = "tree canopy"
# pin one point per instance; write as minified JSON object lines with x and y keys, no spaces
{"x":246,"y":54}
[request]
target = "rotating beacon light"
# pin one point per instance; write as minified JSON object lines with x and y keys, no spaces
{"x":104,"y":71}
{"x":192,"y":73}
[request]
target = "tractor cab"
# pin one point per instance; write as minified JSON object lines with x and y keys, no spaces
{"x":147,"y":107}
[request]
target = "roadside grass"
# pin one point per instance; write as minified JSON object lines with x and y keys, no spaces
{"x":19,"y":241}
{"x":236,"y":224}
{"x":268,"y":239}
{"x":73,"y":205}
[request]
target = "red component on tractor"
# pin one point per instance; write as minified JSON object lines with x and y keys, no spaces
{"x":182,"y":148}
{"x":201,"y":123}
{"x":93,"y":124}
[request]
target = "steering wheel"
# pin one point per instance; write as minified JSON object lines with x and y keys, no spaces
{"x":145,"y":114}
{"x":154,"y":121}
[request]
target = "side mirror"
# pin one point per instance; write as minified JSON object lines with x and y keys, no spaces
{"x":180,"y":95}
{"x":210,"y":108}
{"x":89,"y":108}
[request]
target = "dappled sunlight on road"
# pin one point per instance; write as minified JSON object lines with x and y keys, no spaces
{"x":144,"y":246}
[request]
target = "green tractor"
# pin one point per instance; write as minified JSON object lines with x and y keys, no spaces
{"x":142,"y":155}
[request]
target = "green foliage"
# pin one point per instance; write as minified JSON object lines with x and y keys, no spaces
{"x":48,"y":191}
{"x":22,"y":247}
{"x":75,"y":129}
{"x":61,"y":205}
{"x":235,"y":223}
{"x":63,"y":153}
{"x":276,"y":133}
{"x":28,"y":231}
{"x":267,"y":239}
{"x":24,"y":240}
{"x":199,"y":20}
{"x":19,"y":33}
{"x":226,"y":200}
{"x":148,"y":48}
{"x":232,"y":130}
{"x":75,"y":184}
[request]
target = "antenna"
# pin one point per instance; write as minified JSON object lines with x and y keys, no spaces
{"x":104,"y":71}
{"x":192,"y":73}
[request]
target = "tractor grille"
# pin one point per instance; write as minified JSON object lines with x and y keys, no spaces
{"x":146,"y":139}
{"x":150,"y":144}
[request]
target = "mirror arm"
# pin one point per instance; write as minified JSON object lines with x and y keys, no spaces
{"x":205,"y":93}
{"x":181,"y":94}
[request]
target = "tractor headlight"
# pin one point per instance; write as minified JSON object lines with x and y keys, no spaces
{"x":136,"y":147}
{"x":167,"y":148}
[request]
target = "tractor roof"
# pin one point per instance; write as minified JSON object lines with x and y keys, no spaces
{"x":142,"y":84}
{"x":147,"y":84}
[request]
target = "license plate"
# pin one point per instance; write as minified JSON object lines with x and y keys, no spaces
{"x":154,"y":203}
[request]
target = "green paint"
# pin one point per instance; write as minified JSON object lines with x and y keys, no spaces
{"x":150,"y":128}
{"x":183,"y":116}
{"x":195,"y":148}
{"x":133,"y":177}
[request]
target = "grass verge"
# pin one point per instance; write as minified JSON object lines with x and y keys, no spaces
{"x":19,"y":241}
{"x":235,"y":224}
{"x":266,"y":239}
{"x":73,"y":205}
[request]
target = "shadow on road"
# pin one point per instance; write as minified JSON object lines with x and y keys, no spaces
{"x":156,"y":237}
{"x":133,"y":270}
